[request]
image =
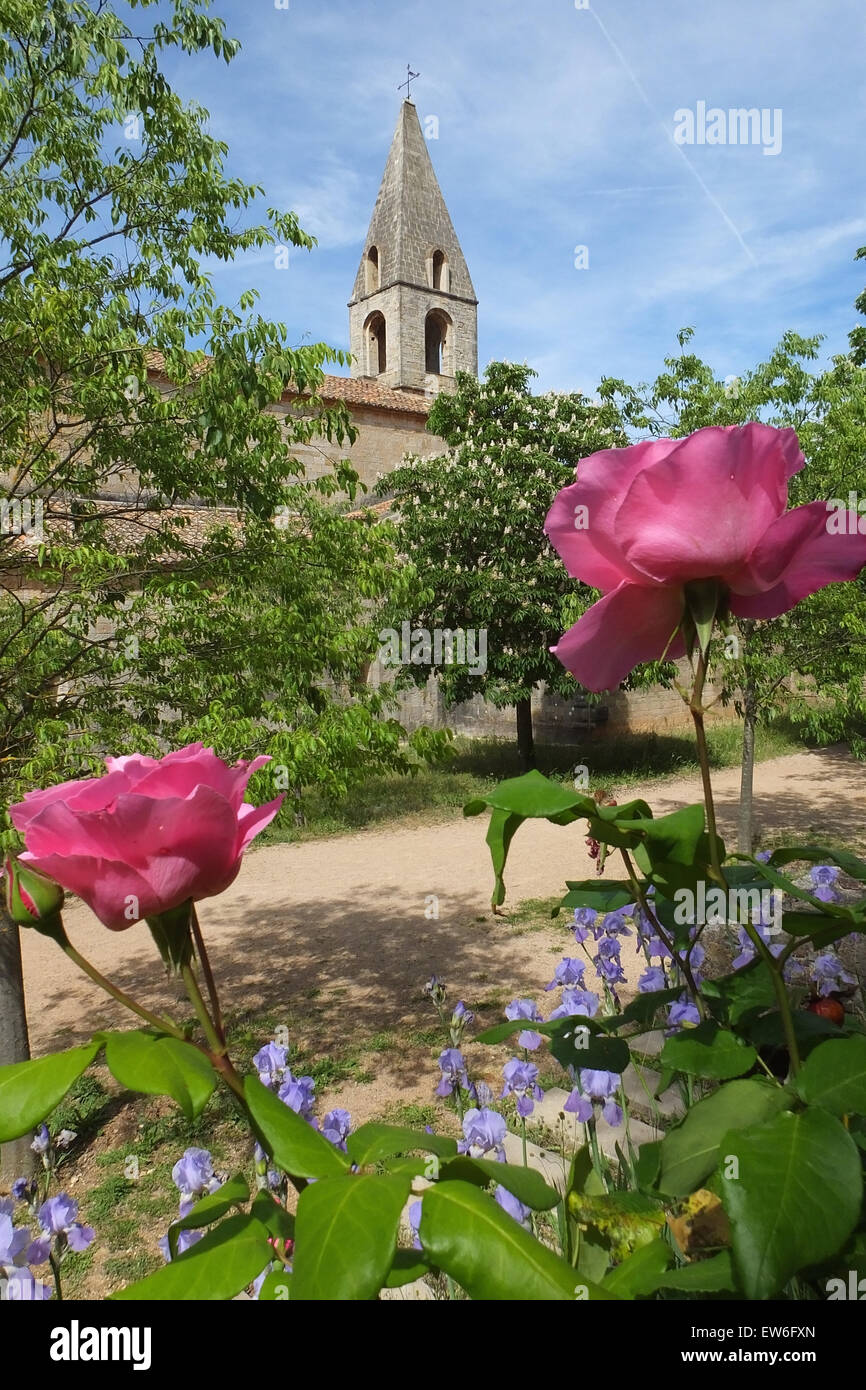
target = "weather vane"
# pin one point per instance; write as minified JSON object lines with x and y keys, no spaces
{"x":410,"y":77}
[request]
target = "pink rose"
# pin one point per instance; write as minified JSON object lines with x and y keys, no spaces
{"x":146,"y":837}
{"x":662,"y":513}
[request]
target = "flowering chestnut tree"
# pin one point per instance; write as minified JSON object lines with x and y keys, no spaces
{"x":468,"y":520}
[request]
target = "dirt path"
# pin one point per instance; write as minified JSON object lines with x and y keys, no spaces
{"x":332,"y":934}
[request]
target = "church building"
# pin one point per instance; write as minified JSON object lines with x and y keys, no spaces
{"x":413,"y":317}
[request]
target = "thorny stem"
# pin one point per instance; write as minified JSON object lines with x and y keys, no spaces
{"x":218,"y":1054}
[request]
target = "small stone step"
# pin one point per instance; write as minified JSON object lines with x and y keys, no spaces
{"x":640,"y":1084}
{"x":544,"y":1161}
{"x":648,"y":1044}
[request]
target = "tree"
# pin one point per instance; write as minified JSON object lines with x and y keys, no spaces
{"x":472,"y":522}
{"x":166,"y":571}
{"x":809,"y":664}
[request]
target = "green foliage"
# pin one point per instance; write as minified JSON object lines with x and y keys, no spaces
{"x":29,"y":1091}
{"x":161,"y":1066}
{"x":185,"y":580}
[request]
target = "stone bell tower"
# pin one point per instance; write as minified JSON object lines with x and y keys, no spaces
{"x":413,"y":315}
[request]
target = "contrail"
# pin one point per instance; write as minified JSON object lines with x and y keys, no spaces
{"x":679,"y":149}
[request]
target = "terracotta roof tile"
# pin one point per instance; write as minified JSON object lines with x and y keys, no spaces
{"x":352,"y":390}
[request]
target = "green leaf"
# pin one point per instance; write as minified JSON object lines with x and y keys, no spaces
{"x":810,"y":923}
{"x":527,"y":1185}
{"x":277,"y":1287}
{"x":713,"y":1275}
{"x":575,"y":1045}
{"x":746,"y":991}
{"x":668,"y":850}
{"x":346,"y":1236}
{"x":640,"y":1273}
{"x":293,"y":1144}
{"x":795,"y":1198}
{"x":372,"y":1142}
{"x":709,"y":1051}
{"x":217,"y":1267}
{"x":600,"y":896}
{"x":408,"y":1266}
{"x":161,"y":1066}
{"x":817,"y":854}
{"x":690,"y":1152}
{"x":834,"y":1076}
{"x":468,"y":1235}
{"x":500,"y":833}
{"x":30,"y":1090}
{"x":209,"y":1209}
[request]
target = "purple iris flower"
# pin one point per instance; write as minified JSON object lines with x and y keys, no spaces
{"x":614,"y":923}
{"x":415,"y":1223}
{"x":13,"y":1242}
{"x":454,"y":1074}
{"x":521,"y":1081}
{"x":483,"y":1132}
{"x":682,"y":1011}
{"x":829,"y":973}
{"x":24,"y":1189}
{"x":270,"y":1062}
{"x":598,"y":1086}
{"x":42,"y":1141}
{"x":193,"y":1175}
{"x":584,"y":920}
{"x":823,"y":878}
{"x":653,"y":978}
{"x":609,"y":968}
{"x":576,"y":1003}
{"x":525,"y":1008}
{"x":479,"y":1093}
{"x":299,"y":1094}
{"x":510,"y":1203}
{"x":763,"y":856}
{"x":568,"y":972}
{"x":57,"y":1218}
{"x":336,"y":1126}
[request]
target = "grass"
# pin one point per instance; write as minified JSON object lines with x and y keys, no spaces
{"x":439,"y":793}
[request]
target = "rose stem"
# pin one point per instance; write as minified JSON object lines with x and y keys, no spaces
{"x":165,"y":1025}
{"x":208,"y":974}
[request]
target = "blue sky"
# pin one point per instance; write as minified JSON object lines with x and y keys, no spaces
{"x":556,"y":129}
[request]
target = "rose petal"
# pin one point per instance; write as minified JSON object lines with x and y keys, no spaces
{"x":797,"y":556}
{"x":631,"y":625}
{"x":702,"y":509}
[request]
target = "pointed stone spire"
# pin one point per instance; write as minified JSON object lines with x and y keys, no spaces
{"x":413,"y":311}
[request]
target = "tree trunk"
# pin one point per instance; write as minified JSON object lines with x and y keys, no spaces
{"x":525,"y":741}
{"x":746,"y":819}
{"x":17,"y":1159}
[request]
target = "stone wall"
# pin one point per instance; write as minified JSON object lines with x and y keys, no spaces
{"x":555,"y":720}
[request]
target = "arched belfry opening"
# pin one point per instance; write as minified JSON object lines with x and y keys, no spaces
{"x":439,"y":343}
{"x":440,"y":272}
{"x":377,"y":344}
{"x":372,"y":270}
